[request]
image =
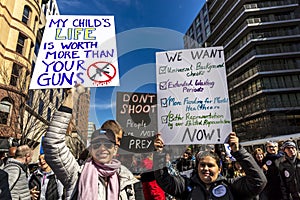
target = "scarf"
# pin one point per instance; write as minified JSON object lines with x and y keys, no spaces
{"x":88,"y":182}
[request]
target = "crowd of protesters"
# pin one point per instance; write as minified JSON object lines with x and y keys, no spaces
{"x":264,"y":174}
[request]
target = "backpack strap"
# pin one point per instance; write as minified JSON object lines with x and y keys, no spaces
{"x":13,"y":165}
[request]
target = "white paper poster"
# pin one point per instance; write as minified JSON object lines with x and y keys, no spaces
{"x":192,"y":96}
{"x":77,"y":49}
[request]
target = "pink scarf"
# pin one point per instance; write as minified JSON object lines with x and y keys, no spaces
{"x":88,"y":182}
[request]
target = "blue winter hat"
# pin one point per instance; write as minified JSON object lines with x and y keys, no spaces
{"x":41,"y":146}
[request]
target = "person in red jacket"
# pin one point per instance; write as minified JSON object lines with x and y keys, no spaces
{"x":151,"y":189}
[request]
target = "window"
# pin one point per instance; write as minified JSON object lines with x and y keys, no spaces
{"x":15,"y":74}
{"x":26,"y":14}
{"x":198,"y":21}
{"x":30,"y":98}
{"x":51,"y":95}
{"x":48,"y":114}
{"x":207,"y":31}
{"x":5,"y":111}
{"x":36,"y":21}
{"x":21,"y":43}
{"x":51,"y":4}
{"x":56,"y":103}
{"x":32,"y":69}
{"x":41,"y":107}
{"x":206,"y":20}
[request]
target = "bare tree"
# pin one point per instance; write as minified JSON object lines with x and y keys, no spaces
{"x":31,"y":109}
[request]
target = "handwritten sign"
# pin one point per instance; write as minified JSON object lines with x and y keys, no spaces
{"x":77,"y":49}
{"x":137,"y":114}
{"x":192,"y":95}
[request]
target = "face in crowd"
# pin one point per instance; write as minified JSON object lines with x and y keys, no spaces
{"x":290,"y":151}
{"x":185,"y":156}
{"x":208,"y":167}
{"x":103,"y":147}
{"x":272,"y":147}
{"x":259,"y":156}
{"x":43,"y":164}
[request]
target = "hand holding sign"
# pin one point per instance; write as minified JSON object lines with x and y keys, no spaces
{"x":73,"y":93}
{"x":233,"y":142}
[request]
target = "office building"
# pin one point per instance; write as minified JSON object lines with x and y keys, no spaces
{"x":261,"y":41}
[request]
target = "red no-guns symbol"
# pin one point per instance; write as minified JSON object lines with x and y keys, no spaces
{"x":101,"y":73}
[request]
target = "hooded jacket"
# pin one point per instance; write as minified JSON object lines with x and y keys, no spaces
{"x":64,"y":164}
{"x":246,"y":187}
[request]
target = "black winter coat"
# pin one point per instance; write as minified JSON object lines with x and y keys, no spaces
{"x":272,"y":190}
{"x":241,"y":188}
{"x":290,"y":178}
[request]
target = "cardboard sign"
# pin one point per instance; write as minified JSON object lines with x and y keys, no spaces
{"x":192,"y":95}
{"x":77,"y":49}
{"x":137,"y":114}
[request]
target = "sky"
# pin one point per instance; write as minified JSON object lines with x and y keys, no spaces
{"x":142,"y":29}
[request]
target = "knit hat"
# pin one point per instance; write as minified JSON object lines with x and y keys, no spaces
{"x":288,"y":143}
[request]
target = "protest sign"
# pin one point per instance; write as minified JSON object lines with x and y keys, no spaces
{"x":192,"y":95}
{"x":137,"y":114}
{"x":77,"y":49}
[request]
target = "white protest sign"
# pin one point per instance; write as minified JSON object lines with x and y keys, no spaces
{"x":192,"y":96}
{"x":77,"y":49}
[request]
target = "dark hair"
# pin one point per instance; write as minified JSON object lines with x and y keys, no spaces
{"x":203,"y":154}
{"x":112,"y":125}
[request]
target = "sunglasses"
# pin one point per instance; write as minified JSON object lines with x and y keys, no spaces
{"x":96,"y":144}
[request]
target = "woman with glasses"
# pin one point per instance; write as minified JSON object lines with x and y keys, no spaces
{"x":206,"y":181}
{"x":101,"y":177}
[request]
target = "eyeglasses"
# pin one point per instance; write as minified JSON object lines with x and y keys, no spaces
{"x":271,"y":147}
{"x":96,"y":144}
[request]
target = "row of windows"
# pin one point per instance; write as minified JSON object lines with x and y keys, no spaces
{"x":52,"y":8}
{"x":248,"y":108}
{"x":278,"y":82}
{"x":6,"y":107}
{"x":264,"y":103}
{"x":285,"y":124}
{"x":276,"y":32}
{"x":256,"y":19}
{"x":263,"y":66}
{"x":288,"y":81}
{"x":246,"y":91}
{"x":26,"y":19}
{"x":279,"y":64}
{"x":269,"y":4}
{"x":264,"y":50}
{"x":283,"y":100}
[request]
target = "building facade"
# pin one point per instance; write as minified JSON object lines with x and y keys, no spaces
{"x":19,"y":22}
{"x":261,"y":41}
{"x":25,"y":114}
{"x":91,"y":129}
{"x":81,"y":114}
